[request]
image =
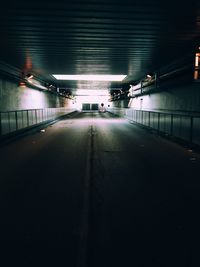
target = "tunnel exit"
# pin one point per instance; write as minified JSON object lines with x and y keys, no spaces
{"x":91,"y":100}
{"x":90,"y":106}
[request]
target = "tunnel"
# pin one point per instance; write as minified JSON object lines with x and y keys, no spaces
{"x":100,"y":133}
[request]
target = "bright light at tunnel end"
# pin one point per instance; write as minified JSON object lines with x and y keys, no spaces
{"x":111,"y":78}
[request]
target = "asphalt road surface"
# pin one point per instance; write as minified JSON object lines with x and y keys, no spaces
{"x":94,"y":190}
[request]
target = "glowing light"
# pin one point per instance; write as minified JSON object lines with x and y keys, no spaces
{"x":117,"y":78}
{"x":196,"y":71}
{"x":29,"y":76}
{"x":35,"y":83}
{"x":197,"y":59}
{"x":22,"y":84}
{"x":30,"y":81}
{"x":196,"y":74}
{"x":91,"y":96}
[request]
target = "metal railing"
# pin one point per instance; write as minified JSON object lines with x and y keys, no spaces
{"x":13,"y":121}
{"x":185,"y":127}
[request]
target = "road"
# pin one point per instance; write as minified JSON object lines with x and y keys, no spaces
{"x":94,"y":190}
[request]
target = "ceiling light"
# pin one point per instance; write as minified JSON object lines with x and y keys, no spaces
{"x":116,"y":78}
{"x":86,"y":92}
{"x":29,"y":76}
{"x":22,"y":84}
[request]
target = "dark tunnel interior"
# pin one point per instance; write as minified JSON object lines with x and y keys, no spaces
{"x":100,"y":133}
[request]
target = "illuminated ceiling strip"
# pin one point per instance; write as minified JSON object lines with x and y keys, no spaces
{"x":92,"y":92}
{"x":116,"y":78}
{"x":35,"y":83}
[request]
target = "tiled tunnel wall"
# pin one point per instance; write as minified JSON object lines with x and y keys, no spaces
{"x":185,"y":99}
{"x":13,"y":97}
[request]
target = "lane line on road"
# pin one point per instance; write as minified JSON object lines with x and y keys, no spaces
{"x":82,"y":256}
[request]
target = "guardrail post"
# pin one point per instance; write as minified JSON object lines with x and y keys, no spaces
{"x":42,"y":115}
{"x":191,"y":129}
{"x":142,"y":117}
{"x":0,"y":124}
{"x":27,"y":115}
{"x":171,"y":126}
{"x":158,"y":122}
{"x":22,"y":119}
{"x":16,"y":120}
{"x":36,"y":116}
{"x":149,"y":120}
{"x":9,"y":128}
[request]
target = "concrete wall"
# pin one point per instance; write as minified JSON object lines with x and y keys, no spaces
{"x":185,"y":98}
{"x":13,"y":97}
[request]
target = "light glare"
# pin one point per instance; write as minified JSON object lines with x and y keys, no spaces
{"x":197,"y":59}
{"x":117,"y":78}
{"x":92,"y":92}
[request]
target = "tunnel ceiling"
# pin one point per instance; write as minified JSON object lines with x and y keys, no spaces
{"x":97,"y":36}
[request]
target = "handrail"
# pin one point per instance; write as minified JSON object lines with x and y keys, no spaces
{"x":3,"y":111}
{"x":15,"y":120}
{"x":185,"y":127}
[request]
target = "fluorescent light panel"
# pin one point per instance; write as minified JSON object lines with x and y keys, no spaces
{"x":116,"y":78}
{"x":86,"y":92}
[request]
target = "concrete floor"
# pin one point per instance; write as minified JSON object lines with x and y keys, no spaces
{"x":94,"y":190}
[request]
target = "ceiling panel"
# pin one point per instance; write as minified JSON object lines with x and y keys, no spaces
{"x":97,"y":37}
